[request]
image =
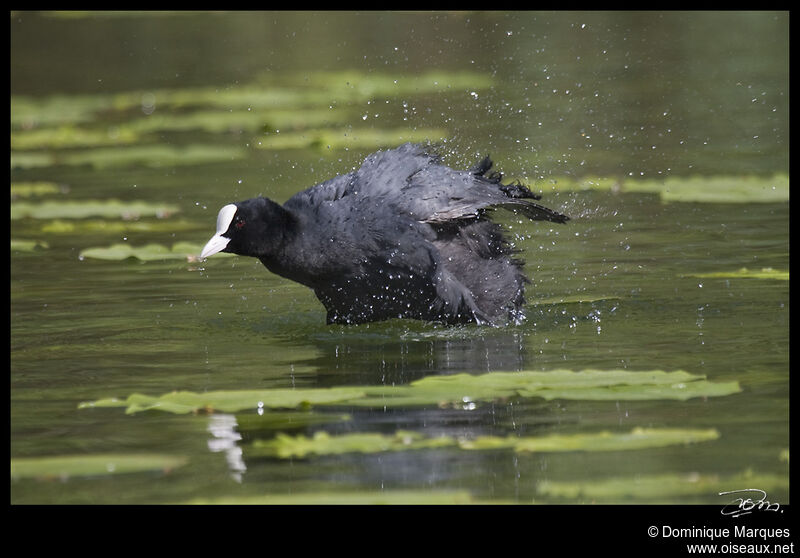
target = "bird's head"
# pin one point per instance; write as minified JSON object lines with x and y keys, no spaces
{"x":249,"y":228}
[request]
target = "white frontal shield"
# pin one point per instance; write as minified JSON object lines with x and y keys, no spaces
{"x":219,"y":242}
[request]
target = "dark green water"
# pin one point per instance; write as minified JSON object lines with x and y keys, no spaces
{"x":553,"y":96}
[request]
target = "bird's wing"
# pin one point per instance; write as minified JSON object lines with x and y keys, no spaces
{"x":387,"y":173}
{"x":382,"y":175}
{"x":438,"y":194}
{"x":412,"y":180}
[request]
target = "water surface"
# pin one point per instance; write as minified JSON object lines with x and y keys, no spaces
{"x":553,"y":97}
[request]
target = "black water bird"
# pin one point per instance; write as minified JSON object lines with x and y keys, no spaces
{"x":402,"y":237}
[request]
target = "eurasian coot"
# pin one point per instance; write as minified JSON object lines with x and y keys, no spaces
{"x":402,"y":237}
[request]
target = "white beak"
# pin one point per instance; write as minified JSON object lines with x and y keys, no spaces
{"x":219,"y":242}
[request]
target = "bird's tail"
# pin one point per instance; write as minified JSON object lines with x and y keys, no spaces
{"x":518,"y":194}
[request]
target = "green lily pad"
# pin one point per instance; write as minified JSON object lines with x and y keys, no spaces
{"x":460,"y":389}
{"x":71,"y":136}
{"x":230,"y":401}
{"x":247,"y":96}
{"x":30,"y":160}
{"x":352,"y":138}
{"x":745,"y":189}
{"x":661,"y":488}
{"x":65,"y":466}
{"x":79,"y":226}
{"x":638,"y":438}
{"x":367,"y":498}
{"x":149,"y":252}
{"x":322,"y":443}
{"x":301,"y":91}
{"x":576,"y":299}
{"x":696,"y":189}
{"x":744,"y":273}
{"x":159,"y":155}
{"x":244,"y":119}
{"x":90,"y":208}
{"x":681,"y":391}
{"x":31,"y":112}
{"x":453,"y":390}
{"x":27,"y":245}
{"x":38,"y":188}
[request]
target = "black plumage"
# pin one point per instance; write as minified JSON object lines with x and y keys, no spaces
{"x":403,"y":236}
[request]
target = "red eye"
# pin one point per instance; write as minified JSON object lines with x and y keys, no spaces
{"x":239,"y":224}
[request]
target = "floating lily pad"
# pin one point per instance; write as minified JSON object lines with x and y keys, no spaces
{"x":90,"y":208}
{"x":367,"y":498}
{"x":248,"y":96}
{"x":28,"y":160}
{"x":746,"y":189}
{"x":71,"y":136}
{"x":146,"y":253}
{"x":240,"y":119}
{"x":30,"y":112}
{"x":230,"y":401}
{"x":303,"y":90}
{"x":27,"y":245}
{"x":711,"y":189}
{"x":188,"y":251}
{"x":322,"y":443}
{"x":638,"y":438}
{"x":31,"y":189}
{"x":661,"y":488}
{"x":744,"y":273}
{"x":62,"y":226}
{"x":353,"y":138}
{"x":677,"y":391}
{"x":576,"y":299}
{"x":557,"y":384}
{"x":453,"y":390}
{"x":159,"y":155}
{"x":64,"y":466}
